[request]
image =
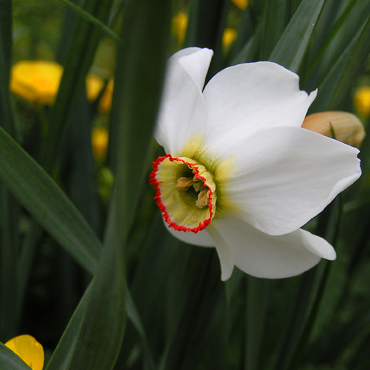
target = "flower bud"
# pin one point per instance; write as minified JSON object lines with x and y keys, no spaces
{"x":342,"y":126}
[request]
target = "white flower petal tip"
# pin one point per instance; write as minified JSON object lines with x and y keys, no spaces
{"x":317,"y":246}
{"x":265,"y":256}
{"x":240,"y":172}
{"x":196,"y":64}
{"x":182,"y":112}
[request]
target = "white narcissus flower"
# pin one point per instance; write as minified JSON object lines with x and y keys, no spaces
{"x":241,"y":175}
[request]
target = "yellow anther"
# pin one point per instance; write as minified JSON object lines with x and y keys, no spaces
{"x":184,"y":183}
{"x":202,"y":200}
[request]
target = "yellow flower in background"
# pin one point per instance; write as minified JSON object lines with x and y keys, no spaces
{"x":99,"y":139}
{"x":362,"y":101}
{"x":29,"y":350}
{"x":36,"y":81}
{"x":228,"y":37}
{"x":179,"y":24}
{"x":94,"y":86}
{"x":242,"y":4}
{"x":346,"y":127}
{"x":105,"y":103}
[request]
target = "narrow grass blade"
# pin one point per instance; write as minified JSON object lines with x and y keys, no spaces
{"x":93,"y":20}
{"x":6,"y":20}
{"x":274,"y":23}
{"x":47,"y":203}
{"x":93,"y":336}
{"x":10,"y":361}
{"x":326,"y":50}
{"x":140,"y":64}
{"x":6,"y":113}
{"x":293,"y":44}
{"x":79,"y":57}
{"x":257,"y":304}
{"x":353,"y":67}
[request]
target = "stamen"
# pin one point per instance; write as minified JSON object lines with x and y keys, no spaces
{"x":198,"y":184}
{"x":184,"y":183}
{"x":202,"y":200}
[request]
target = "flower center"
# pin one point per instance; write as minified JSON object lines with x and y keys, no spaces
{"x":184,"y":183}
{"x":185,"y":192}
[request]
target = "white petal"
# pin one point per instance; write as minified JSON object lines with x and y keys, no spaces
{"x":182,"y":112}
{"x":224,"y":252}
{"x":201,"y":238}
{"x":284,"y":176}
{"x":245,"y":98}
{"x":318,"y":246}
{"x":266,"y":256}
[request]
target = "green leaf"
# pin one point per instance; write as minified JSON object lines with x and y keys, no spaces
{"x":274,"y":23}
{"x":6,"y":112}
{"x":94,"y":334}
{"x":37,"y":192}
{"x":329,"y":85}
{"x":293,"y":44}
{"x":139,"y":74}
{"x":258,"y":294}
{"x":340,"y":35}
{"x":93,"y":337}
{"x":353,"y":67}
{"x":87,"y":16}
{"x":6,"y":20}
{"x":10,"y":361}
{"x":78,"y":60}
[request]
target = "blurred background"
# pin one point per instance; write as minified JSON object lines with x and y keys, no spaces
{"x":184,"y":317}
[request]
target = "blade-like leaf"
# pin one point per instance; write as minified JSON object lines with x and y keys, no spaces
{"x":341,"y":34}
{"x":10,"y":361}
{"x":93,"y":20}
{"x":79,"y":57}
{"x":273,"y":26}
{"x":37,"y":192}
{"x":6,"y":114}
{"x":353,"y":67}
{"x":292,"y":45}
{"x":6,"y":21}
{"x":93,"y":337}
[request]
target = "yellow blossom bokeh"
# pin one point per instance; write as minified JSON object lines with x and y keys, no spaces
{"x":179,"y":24}
{"x":29,"y":350}
{"x":99,"y":140}
{"x":38,"y":82}
{"x":361,"y":101}
{"x":241,"y":4}
{"x":228,"y":37}
{"x":105,"y":102}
